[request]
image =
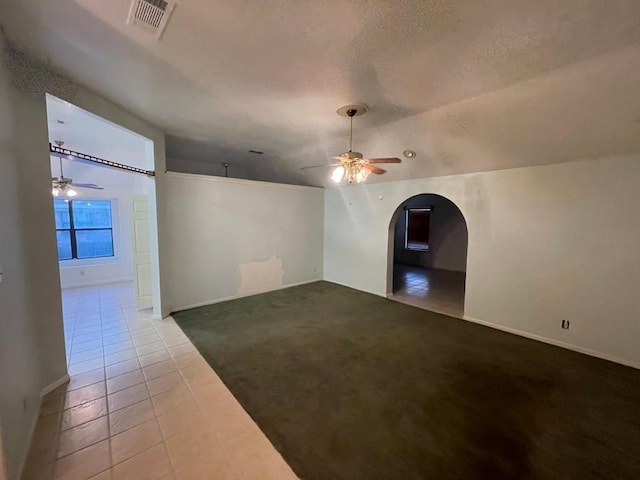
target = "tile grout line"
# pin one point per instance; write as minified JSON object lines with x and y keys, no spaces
{"x":126,"y":319}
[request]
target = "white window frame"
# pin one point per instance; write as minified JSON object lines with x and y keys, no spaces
{"x":115,"y":233}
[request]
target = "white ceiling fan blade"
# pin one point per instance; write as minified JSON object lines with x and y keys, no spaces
{"x":88,"y":185}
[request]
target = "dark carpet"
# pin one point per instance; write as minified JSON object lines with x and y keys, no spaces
{"x":347,"y":385}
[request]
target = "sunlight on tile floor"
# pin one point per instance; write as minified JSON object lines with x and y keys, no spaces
{"x":141,"y":404}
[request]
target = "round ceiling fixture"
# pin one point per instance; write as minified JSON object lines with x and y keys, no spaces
{"x":409,"y":154}
{"x":348,"y":110}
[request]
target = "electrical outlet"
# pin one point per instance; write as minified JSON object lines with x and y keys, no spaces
{"x":565,"y":324}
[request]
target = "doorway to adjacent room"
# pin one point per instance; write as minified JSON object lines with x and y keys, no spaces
{"x":429,"y":254}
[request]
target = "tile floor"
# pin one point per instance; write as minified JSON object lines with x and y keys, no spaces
{"x":141,"y":404}
{"x":437,"y":290}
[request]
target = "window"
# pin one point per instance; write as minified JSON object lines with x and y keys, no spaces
{"x":416,"y":235}
{"x":83,"y":228}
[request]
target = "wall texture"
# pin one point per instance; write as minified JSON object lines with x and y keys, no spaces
{"x":32,"y":353}
{"x":447,"y":236}
{"x":545,"y":244}
{"x":231,"y":237}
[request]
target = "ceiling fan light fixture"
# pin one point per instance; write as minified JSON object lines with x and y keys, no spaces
{"x":362,"y":175}
{"x":351,"y":166}
{"x":71,"y":192}
{"x":55,"y":191}
{"x":338,"y":174}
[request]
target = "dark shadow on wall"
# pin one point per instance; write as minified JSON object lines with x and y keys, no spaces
{"x":447,"y":236}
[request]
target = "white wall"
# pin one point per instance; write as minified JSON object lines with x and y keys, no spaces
{"x":32,"y":354}
{"x":231,"y":237}
{"x":89,"y":133}
{"x":545,"y":244}
{"x":447,"y":236}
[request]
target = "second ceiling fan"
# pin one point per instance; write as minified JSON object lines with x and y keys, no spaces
{"x":63,"y":185}
{"x":351,"y":166}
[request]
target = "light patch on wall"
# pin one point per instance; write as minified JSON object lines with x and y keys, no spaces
{"x":257,"y":277}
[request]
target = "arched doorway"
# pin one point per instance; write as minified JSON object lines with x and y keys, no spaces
{"x":427,"y":259}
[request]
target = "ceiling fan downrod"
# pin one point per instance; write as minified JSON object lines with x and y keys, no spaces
{"x":351,"y":113}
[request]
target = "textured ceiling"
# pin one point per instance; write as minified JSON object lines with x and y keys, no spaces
{"x":469,"y":85}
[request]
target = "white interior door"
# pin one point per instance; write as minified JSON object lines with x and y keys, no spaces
{"x":142,"y":251}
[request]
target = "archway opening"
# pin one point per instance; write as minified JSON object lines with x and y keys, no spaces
{"x":427,"y":258}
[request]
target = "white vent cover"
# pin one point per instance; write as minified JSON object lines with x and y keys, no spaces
{"x":152,"y":15}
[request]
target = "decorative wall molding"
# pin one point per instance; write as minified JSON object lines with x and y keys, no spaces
{"x":241,"y":181}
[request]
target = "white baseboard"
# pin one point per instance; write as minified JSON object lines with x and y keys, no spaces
{"x":556,"y":343}
{"x":234,"y":297}
{"x":377,"y":294}
{"x":53,"y":385}
{"x":97,"y":283}
{"x":34,"y":421}
{"x":531,"y":336}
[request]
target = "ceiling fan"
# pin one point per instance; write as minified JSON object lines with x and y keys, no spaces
{"x":62,"y":185}
{"x":351,"y":166}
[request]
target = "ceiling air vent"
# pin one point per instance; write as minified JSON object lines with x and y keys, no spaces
{"x":152,"y":15}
